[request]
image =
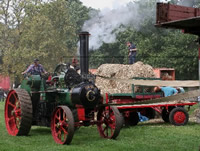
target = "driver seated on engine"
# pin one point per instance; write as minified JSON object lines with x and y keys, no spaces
{"x":35,"y":69}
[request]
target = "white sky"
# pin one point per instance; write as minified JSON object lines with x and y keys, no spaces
{"x":102,"y":4}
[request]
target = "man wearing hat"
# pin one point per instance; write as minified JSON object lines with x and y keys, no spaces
{"x":35,"y":69}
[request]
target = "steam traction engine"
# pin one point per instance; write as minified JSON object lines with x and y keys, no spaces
{"x":64,"y":102}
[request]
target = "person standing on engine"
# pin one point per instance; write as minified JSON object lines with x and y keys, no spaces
{"x":35,"y":69}
{"x":132,"y":52}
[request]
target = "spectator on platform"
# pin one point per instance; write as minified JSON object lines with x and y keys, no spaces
{"x":132,"y":52}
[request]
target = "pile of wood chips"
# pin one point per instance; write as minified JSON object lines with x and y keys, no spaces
{"x":120,"y":71}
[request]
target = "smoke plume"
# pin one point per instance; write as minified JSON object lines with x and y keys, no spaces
{"x":188,"y":3}
{"x":105,"y":24}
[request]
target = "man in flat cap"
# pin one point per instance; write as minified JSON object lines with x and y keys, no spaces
{"x":35,"y":69}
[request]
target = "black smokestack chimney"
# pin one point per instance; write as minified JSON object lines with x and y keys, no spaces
{"x":84,"y":53}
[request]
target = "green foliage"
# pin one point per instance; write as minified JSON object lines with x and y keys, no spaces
{"x":48,"y":30}
{"x":43,"y":29}
{"x":157,"y":47}
{"x":79,"y":14}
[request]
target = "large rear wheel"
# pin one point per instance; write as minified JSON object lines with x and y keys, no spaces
{"x":110,"y":122}
{"x":18,"y":112}
{"x":62,"y":125}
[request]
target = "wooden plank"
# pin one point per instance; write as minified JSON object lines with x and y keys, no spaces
{"x":181,"y":8}
{"x":168,"y":12}
{"x":179,"y":14}
{"x":173,"y":83}
{"x":162,"y":104}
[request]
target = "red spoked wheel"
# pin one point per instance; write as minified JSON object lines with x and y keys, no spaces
{"x":18,"y":112}
{"x":110,"y":122}
{"x":62,"y":125}
{"x":178,"y":116}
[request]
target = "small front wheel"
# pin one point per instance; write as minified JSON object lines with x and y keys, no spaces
{"x":62,"y":125}
{"x":178,"y":116}
{"x":110,"y":122}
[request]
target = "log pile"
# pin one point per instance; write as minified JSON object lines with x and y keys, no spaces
{"x":120,"y":71}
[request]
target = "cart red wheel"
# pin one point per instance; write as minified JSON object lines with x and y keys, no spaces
{"x":62,"y":125}
{"x":18,"y":112}
{"x":110,"y":122}
{"x":178,"y":116}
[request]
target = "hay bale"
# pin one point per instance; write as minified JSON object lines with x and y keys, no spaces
{"x":121,"y":71}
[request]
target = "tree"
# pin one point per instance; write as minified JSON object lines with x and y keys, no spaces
{"x":157,"y":47}
{"x":46,"y":30}
{"x":11,"y":15}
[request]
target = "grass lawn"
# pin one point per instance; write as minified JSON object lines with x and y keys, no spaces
{"x":146,"y":136}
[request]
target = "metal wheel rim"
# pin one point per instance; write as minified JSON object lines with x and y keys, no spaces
{"x":12,"y":113}
{"x":60,"y":126}
{"x":179,"y":117}
{"x":107,"y":123}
